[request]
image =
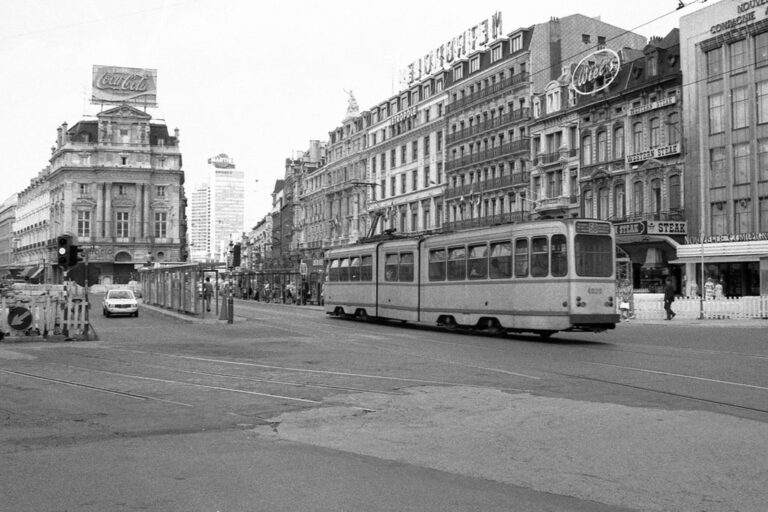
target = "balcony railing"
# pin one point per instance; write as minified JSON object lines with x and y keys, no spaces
{"x":554,"y":203}
{"x":508,"y":148}
{"x":514,"y":82}
{"x":490,"y":124}
{"x":548,"y":158}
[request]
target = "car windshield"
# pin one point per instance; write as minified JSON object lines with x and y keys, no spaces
{"x":120,"y":294}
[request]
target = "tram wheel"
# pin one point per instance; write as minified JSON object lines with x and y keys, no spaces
{"x":546,"y":334}
{"x":450,"y":323}
{"x":362,"y":315}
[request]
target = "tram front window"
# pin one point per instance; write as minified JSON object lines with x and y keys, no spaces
{"x":594,"y":256}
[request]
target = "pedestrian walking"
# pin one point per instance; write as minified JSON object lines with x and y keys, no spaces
{"x":669,"y":298}
{"x":207,"y":293}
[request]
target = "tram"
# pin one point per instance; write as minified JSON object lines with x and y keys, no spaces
{"x":538,"y":277}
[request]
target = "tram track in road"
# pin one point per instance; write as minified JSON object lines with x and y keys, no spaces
{"x":91,"y":387}
{"x":663,"y":392}
{"x":400,"y":380}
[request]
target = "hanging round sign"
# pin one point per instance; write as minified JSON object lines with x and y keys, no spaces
{"x":595,"y":72}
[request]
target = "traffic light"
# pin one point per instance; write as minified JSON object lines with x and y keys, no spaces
{"x":63,"y":245}
{"x":236,"y":255}
{"x":75,"y":255}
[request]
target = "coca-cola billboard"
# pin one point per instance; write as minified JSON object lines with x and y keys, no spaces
{"x":119,"y":85}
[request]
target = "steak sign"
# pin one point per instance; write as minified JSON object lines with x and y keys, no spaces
{"x":595,"y":72}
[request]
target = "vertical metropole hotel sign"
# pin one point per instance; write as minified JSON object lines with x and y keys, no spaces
{"x":119,"y":85}
{"x":473,"y":39}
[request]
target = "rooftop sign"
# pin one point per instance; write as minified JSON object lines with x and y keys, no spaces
{"x":473,"y":39}
{"x":119,"y":85}
{"x":595,"y":72}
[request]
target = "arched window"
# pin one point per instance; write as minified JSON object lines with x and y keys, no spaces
{"x":619,"y":202}
{"x":602,"y":146}
{"x":637,"y":137}
{"x":655,"y":132}
{"x":586,"y":150}
{"x":656,"y":197}
{"x":618,"y":142}
{"x":673,"y":128}
{"x":638,"y":200}
{"x":675,"y":197}
{"x":602,"y":203}
{"x":588,"y":204}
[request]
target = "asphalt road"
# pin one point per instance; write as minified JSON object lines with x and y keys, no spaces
{"x":289,"y":410}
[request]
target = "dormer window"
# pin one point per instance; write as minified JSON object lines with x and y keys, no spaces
{"x":496,"y":53}
{"x":652,"y":66}
{"x":474,"y":64}
{"x":553,"y":97}
{"x":536,"y":107}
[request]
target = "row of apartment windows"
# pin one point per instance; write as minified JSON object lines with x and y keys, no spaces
{"x":600,"y":152}
{"x":737,"y":56}
{"x":122,"y":223}
{"x":122,"y":190}
{"x":741,"y":168}
{"x":740,"y":108}
{"x":743,"y":218}
{"x":458,"y":74}
{"x":414,"y":180}
{"x":597,"y":202}
{"x":407,"y":99}
{"x":414,"y":153}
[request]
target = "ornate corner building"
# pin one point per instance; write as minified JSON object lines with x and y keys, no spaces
{"x":115,"y":183}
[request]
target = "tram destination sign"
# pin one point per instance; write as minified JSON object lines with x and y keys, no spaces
{"x":593,"y":228}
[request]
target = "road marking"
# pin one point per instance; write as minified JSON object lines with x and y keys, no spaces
{"x":657,"y":372}
{"x":219,"y":388}
{"x":93,"y":388}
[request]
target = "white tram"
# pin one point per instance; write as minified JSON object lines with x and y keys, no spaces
{"x":541,"y":277}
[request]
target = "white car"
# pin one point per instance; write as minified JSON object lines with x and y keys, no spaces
{"x":121,"y":302}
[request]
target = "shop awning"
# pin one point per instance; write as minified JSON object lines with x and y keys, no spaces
{"x":27,"y":271}
{"x":37,"y":272}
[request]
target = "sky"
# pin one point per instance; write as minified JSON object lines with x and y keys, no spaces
{"x":254,"y":80}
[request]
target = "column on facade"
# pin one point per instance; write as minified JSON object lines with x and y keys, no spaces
{"x":99,"y":217}
{"x":146,"y":224}
{"x":108,"y":210}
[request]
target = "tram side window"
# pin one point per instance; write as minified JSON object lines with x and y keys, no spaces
{"x":501,"y":260}
{"x":477,"y":263}
{"x":457,"y":264}
{"x":344,"y":270}
{"x":594,"y":256}
{"x":333,"y":272}
{"x":354,"y":269}
{"x":437,"y":265}
{"x":406,"y":267}
{"x":559,"y":256}
{"x":390,"y":266}
{"x":521,"y":257}
{"x":539,"y":256}
{"x":366,"y":268}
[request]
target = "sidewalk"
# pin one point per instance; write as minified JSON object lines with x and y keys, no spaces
{"x":735,"y":323}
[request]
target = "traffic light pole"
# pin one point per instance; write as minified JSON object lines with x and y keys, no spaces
{"x":87,"y":302}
